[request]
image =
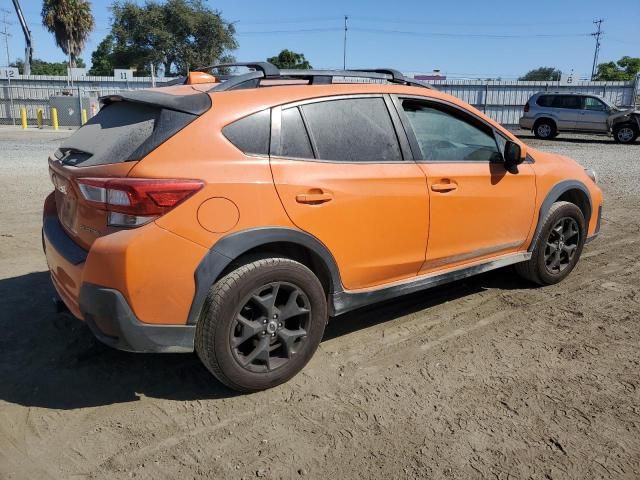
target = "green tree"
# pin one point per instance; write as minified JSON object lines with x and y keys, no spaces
{"x":177,"y":35}
{"x":290,"y":60}
{"x":624,"y":69}
{"x":102,"y":58}
{"x":542,"y":74}
{"x":71,"y":22}
{"x":40,"y":67}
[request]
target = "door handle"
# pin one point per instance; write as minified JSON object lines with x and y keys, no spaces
{"x":314,"y":198}
{"x":444,"y":187}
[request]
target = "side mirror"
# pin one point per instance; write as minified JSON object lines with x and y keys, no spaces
{"x":512,"y":156}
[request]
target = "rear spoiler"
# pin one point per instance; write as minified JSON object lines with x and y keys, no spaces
{"x":194,"y":104}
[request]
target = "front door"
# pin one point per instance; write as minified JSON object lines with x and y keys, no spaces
{"x":477,"y":209}
{"x":340,"y":172}
{"x":593,"y":115}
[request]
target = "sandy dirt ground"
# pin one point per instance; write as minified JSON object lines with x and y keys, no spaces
{"x":484,"y":378}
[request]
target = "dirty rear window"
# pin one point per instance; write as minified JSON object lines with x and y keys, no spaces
{"x":122,"y":131}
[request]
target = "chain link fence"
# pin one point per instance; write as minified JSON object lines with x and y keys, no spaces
{"x":35,"y":101}
{"x":37,"y":106}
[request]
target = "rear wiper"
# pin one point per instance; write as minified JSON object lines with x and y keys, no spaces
{"x":73,"y":156}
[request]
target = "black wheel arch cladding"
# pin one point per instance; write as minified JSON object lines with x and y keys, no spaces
{"x":233,"y":246}
{"x":556,"y":193}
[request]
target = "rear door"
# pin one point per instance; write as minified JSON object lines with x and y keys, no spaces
{"x":593,"y":115}
{"x":566,"y":109}
{"x":343,"y":175}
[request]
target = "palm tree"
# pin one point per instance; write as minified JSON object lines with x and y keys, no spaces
{"x":71,"y":22}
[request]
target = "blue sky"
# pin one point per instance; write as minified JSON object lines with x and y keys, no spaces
{"x":463,"y":38}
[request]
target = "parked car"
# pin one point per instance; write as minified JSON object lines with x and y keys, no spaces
{"x":236,"y":217}
{"x":548,"y":114}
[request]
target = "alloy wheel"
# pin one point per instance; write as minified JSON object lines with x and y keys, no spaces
{"x":544,"y":130}
{"x":561,"y":245}
{"x":625,"y":134}
{"x":271,"y":327}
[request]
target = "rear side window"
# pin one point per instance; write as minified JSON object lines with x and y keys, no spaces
{"x":295,"y":139}
{"x":251,"y":134}
{"x":545,"y":100}
{"x":122,"y":131}
{"x":352,"y":130}
{"x":567,"y":101}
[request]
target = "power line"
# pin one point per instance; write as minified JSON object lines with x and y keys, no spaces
{"x":462,"y":24}
{"x":468,"y":35}
{"x":299,"y":30}
{"x":597,"y":35}
{"x":413,"y":33}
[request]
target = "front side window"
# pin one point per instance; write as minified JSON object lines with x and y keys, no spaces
{"x":591,"y":103}
{"x":443,"y":136}
{"x":352,"y":130}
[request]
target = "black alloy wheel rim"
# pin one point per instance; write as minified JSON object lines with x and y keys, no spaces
{"x":561,"y":245}
{"x":271,"y":327}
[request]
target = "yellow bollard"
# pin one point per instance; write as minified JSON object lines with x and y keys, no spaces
{"x":23,"y":117}
{"x":84,"y":116}
{"x":39,"y":113}
{"x":54,"y":118}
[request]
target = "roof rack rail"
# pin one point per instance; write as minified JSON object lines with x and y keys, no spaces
{"x":269,"y":71}
{"x":397,"y":77}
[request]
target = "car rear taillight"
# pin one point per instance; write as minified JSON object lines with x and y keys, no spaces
{"x":132,"y":202}
{"x":526,"y":107}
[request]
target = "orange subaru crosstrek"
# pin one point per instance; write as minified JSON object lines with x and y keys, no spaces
{"x":234,"y":215}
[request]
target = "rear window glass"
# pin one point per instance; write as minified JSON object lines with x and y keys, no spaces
{"x":122,"y":131}
{"x":545,"y":100}
{"x":566,"y":101}
{"x":251,"y":134}
{"x":295,"y":140}
{"x":352,"y":130}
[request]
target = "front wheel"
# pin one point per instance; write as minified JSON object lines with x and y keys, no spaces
{"x":261,"y":324}
{"x":557,"y":247}
{"x":625,"y":133}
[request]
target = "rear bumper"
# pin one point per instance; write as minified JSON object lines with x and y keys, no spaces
{"x":526,"y":123}
{"x":105,"y":310}
{"x":65,"y":260}
{"x":112,"y":321}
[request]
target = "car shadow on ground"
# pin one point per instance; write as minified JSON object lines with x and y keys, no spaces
{"x":594,"y":140}
{"x":51,"y":360}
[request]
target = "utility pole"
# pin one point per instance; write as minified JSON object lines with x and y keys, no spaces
{"x":6,"y":34}
{"x":28,"y":47}
{"x":596,"y":34}
{"x":344,"y":48}
{"x":5,"y":31}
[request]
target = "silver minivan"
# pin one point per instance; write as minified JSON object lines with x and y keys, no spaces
{"x":547,"y":114}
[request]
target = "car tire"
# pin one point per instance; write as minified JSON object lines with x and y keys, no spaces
{"x":625,"y":133}
{"x":545,"y":129}
{"x":261,"y":323}
{"x":557,"y":247}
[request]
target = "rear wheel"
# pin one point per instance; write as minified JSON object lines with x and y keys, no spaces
{"x":261,"y":324}
{"x":558,"y":246}
{"x":545,"y":129}
{"x":625,"y":133}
